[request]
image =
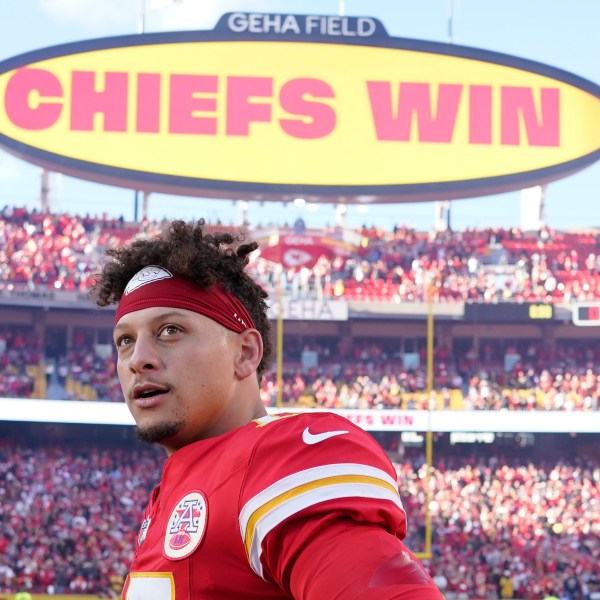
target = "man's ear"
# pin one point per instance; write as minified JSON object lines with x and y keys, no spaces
{"x":250,"y":353}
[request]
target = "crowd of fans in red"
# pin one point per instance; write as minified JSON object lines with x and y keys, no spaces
{"x":69,"y":517}
{"x":61,"y":251}
{"x":18,"y":350}
{"x":369,"y":375}
{"x":535,"y":524}
{"x":480,"y":265}
{"x":364,"y":376}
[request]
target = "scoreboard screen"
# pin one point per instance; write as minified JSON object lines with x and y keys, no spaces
{"x":507,"y":312}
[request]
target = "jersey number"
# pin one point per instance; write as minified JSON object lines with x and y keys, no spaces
{"x":149,"y":586}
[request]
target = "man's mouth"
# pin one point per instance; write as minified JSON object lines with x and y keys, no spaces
{"x":143,"y":395}
{"x":150,"y":394}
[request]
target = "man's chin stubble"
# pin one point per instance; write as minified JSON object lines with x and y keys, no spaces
{"x":157,"y":433}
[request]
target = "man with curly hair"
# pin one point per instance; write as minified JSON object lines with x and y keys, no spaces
{"x":249,"y":506}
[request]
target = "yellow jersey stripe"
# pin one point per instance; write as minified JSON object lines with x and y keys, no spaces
{"x":298,"y":503}
{"x":307,"y":487}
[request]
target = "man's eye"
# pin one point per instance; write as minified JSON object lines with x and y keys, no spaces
{"x":169,"y":330}
{"x":124,"y":340}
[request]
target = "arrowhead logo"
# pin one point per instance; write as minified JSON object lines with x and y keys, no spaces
{"x":314,"y":438}
{"x":296,"y":258}
{"x":186,"y":526}
{"x":147,"y":275}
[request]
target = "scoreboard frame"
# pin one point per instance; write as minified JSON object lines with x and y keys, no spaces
{"x":586,"y":314}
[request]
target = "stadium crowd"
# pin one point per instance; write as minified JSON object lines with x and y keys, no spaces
{"x":366,"y":375}
{"x":370,"y":375}
{"x":510,"y":528}
{"x":61,"y":251}
{"x":503,"y":527}
{"x":69,"y":517}
{"x":21,"y":354}
{"x":480,"y":265}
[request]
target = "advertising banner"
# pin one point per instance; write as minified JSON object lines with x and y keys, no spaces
{"x":271,"y":106}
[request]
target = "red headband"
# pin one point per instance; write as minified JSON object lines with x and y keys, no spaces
{"x":155,"y":286}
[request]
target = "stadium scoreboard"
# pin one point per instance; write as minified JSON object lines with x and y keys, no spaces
{"x":520,"y":312}
{"x":587,"y":314}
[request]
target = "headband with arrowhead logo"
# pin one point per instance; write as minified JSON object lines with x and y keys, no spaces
{"x":156,"y":286}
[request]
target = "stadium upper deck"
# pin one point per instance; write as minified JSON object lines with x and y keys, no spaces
{"x":60,"y":252}
{"x":355,"y":324}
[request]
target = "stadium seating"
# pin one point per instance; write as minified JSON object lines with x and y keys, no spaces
{"x":505,"y":518}
{"x":369,"y":378}
{"x":537,"y":521}
{"x":61,"y":251}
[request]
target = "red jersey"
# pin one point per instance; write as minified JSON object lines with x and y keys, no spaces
{"x":232,"y":515}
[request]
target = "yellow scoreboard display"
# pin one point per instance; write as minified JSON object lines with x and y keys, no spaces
{"x":508,"y":312}
{"x":587,"y":314}
{"x":541,"y":311}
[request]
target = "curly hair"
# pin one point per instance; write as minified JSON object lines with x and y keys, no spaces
{"x":188,"y":250}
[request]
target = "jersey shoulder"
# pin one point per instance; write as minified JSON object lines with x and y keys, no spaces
{"x":293,"y":442}
{"x":328,"y":431}
{"x":309,"y":463}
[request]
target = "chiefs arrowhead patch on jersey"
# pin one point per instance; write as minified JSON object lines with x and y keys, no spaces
{"x":186,"y":526}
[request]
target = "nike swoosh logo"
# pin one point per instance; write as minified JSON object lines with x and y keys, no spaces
{"x":314,"y":438}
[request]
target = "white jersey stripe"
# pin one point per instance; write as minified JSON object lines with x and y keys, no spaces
{"x":301,"y":501}
{"x":306,"y":488}
{"x":307,"y":476}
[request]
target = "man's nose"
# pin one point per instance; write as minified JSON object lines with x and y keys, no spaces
{"x":144,"y":356}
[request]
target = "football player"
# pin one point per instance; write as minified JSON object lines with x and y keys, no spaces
{"x":249,"y":506}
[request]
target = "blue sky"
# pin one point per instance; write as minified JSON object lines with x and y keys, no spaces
{"x":560,"y":33}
